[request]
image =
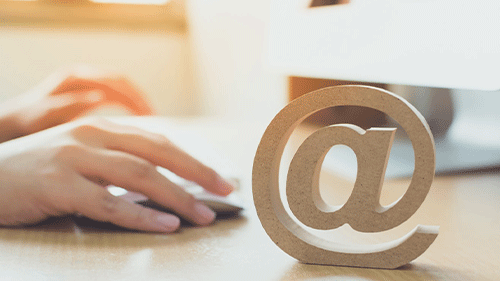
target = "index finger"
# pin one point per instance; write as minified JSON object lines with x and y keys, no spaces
{"x":158,"y":150}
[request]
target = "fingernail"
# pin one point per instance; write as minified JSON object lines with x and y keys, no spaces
{"x":168,"y":222}
{"x":205,"y":214}
{"x":224,"y":186}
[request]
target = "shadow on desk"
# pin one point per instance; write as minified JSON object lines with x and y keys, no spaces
{"x":76,"y":230}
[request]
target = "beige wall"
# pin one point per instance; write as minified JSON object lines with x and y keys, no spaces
{"x":158,"y":63}
{"x":229,"y":47}
{"x":219,"y":68}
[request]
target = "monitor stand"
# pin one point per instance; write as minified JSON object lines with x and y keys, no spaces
{"x":472,"y":141}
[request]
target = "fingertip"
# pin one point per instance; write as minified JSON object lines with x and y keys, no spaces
{"x":168,"y":223}
{"x":204,"y":215}
{"x":224,"y":186}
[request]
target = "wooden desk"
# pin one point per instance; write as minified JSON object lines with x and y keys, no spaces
{"x":465,"y":206}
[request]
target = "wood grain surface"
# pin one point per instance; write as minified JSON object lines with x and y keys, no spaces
{"x":237,"y":248}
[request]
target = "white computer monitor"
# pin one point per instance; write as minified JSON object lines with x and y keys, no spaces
{"x":411,"y":44}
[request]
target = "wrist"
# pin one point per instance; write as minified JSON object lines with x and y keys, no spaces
{"x":10,"y":125}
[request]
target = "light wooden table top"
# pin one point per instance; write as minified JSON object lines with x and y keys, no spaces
{"x":466,"y":207}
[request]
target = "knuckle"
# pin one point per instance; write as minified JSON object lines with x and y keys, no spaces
{"x":92,"y":131}
{"x":51,"y":175}
{"x":109,"y":204}
{"x":161,"y":140}
{"x":187,"y":202}
{"x":190,"y":200}
{"x":126,"y":135}
{"x":68,"y":151}
{"x":142,"y":169}
{"x":182,"y":202}
{"x":88,"y":127}
{"x":144,"y":215}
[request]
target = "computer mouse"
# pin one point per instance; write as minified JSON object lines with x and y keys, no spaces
{"x":231,"y":204}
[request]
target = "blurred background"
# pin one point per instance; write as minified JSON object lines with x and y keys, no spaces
{"x":189,"y":57}
{"x":247,"y":59}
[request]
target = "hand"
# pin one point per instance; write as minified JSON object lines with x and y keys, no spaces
{"x":66,"y":95}
{"x":65,"y":169}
